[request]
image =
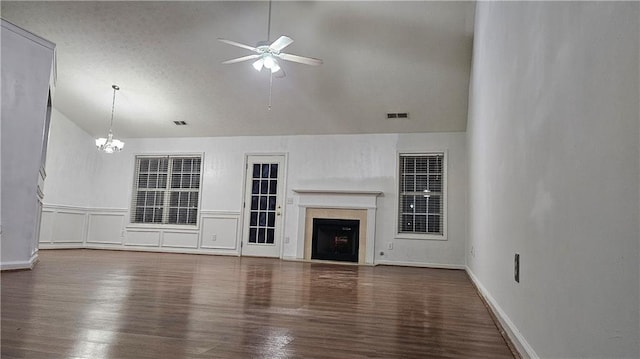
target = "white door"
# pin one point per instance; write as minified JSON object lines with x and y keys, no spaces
{"x":264,"y":186}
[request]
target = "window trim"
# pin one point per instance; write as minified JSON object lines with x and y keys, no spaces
{"x":445,"y":196}
{"x":167,"y":226}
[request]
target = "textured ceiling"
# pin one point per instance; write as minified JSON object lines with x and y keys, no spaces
{"x":378,"y":57}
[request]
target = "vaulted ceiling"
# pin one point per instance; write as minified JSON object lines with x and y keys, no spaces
{"x":379,"y":57}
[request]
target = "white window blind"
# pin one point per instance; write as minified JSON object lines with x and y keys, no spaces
{"x":166,"y":190}
{"x":421,"y":199}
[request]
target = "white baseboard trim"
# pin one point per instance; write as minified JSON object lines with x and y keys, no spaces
{"x":17,"y":265}
{"x":48,"y":245}
{"x":420,"y":264}
{"x":180,"y":250}
{"x":521,"y":344}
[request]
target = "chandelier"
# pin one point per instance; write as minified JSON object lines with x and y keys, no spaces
{"x":110,"y":144}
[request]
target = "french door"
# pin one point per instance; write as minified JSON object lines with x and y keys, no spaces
{"x":264,"y":186}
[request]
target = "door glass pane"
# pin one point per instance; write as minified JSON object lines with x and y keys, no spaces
{"x":252,"y":235}
{"x":262,"y":216}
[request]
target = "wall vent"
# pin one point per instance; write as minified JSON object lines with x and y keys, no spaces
{"x":397,"y":115}
{"x":180,"y":123}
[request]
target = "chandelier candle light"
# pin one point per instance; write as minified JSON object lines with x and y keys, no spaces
{"x":110,"y":144}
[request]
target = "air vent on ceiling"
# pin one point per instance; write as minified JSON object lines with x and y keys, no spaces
{"x":398,"y":115}
{"x":180,"y":123}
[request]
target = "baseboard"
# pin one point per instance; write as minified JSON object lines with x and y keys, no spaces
{"x":46,"y":245}
{"x":20,"y":265}
{"x":232,"y":253}
{"x":420,"y":264}
{"x":522,"y":346}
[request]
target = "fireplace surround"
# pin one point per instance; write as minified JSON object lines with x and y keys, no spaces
{"x":340,"y":205}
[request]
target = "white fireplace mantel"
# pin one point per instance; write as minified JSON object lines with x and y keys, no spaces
{"x":339,"y":199}
{"x":325,"y":198}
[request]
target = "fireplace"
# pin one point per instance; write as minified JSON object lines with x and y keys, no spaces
{"x":350,"y":205}
{"x":335,"y":239}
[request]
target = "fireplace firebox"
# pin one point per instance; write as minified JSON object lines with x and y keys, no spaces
{"x":335,"y":239}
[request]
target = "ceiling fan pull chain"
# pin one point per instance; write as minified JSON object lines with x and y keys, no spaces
{"x":270,"y":85}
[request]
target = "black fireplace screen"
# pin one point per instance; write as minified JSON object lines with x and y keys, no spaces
{"x":335,"y":239}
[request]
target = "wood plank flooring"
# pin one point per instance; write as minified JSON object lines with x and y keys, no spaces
{"x":109,"y":304}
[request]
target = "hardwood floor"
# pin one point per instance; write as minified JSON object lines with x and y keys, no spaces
{"x":107,"y":304}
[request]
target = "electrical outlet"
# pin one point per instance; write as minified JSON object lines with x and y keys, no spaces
{"x":516,"y":267}
{"x":214,"y":237}
{"x":390,"y":245}
{"x":286,"y":239}
{"x":289,"y":200}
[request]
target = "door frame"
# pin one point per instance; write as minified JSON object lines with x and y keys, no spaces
{"x":245,"y":175}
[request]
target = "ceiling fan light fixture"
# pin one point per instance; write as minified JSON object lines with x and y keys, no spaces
{"x":270,"y":62}
{"x":258,"y":64}
{"x":275,"y":67}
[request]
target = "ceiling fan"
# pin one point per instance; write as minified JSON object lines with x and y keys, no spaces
{"x":267,"y":55}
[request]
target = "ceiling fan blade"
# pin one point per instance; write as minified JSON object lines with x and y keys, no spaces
{"x":281,"y":43}
{"x":240,"y":59}
{"x":237,"y":44}
{"x":300,"y":59}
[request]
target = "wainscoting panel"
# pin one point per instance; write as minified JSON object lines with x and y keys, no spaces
{"x":46,"y":225}
{"x":181,"y":239}
{"x":140,"y":237}
{"x":69,"y":227}
{"x":106,"y":228}
{"x":219,"y":231}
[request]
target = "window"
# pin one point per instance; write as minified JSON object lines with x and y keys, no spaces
{"x":166,"y":190}
{"x":422,"y":194}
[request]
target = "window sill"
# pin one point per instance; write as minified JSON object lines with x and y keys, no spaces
{"x":430,"y":237}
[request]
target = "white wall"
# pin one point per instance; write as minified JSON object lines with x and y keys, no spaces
{"x":26,"y":67}
{"x":314,"y":162}
{"x":554,"y":175}
{"x":71,"y":163}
